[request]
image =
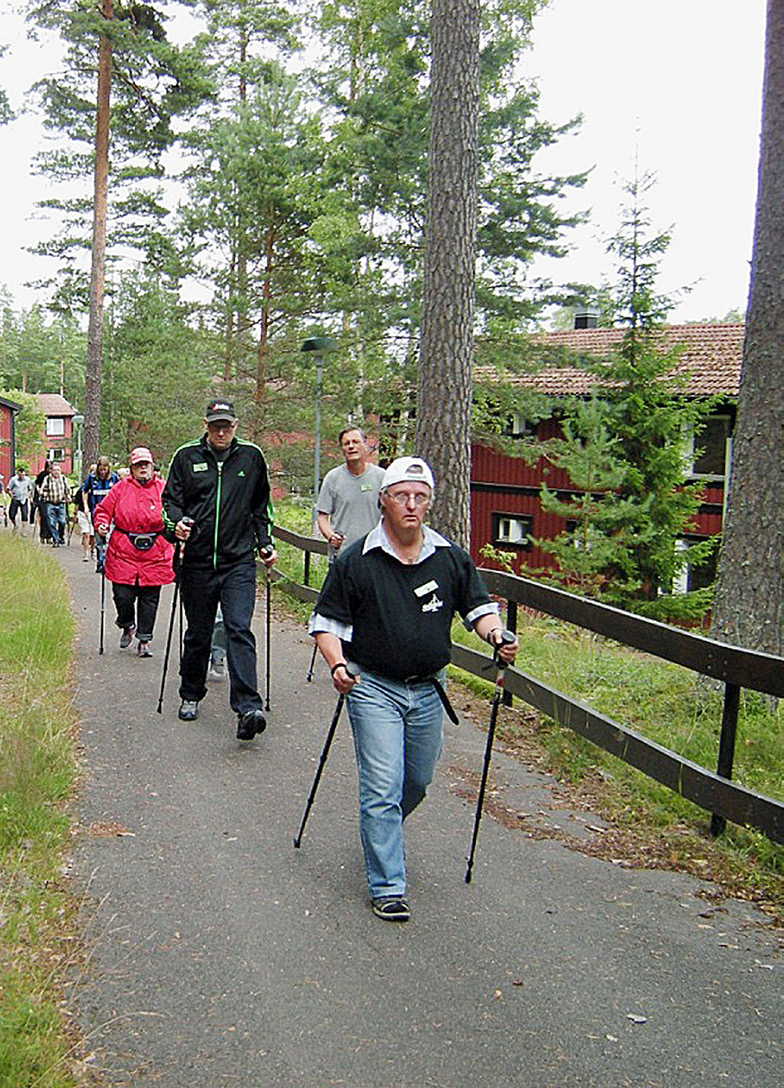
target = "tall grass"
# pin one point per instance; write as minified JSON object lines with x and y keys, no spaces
{"x":38,"y":767}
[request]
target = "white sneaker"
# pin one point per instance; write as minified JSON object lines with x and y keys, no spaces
{"x":217,"y":671}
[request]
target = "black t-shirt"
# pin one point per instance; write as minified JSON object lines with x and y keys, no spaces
{"x":401,"y":614}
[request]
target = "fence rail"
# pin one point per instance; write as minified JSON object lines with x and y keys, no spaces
{"x":734,"y":666}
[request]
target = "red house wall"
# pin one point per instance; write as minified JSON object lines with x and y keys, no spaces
{"x":509,"y":485}
{"x":6,"y":428}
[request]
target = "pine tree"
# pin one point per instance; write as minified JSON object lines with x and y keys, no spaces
{"x":142,"y":81}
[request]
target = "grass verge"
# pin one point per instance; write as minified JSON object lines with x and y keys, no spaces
{"x":650,"y":825}
{"x":38,"y":769}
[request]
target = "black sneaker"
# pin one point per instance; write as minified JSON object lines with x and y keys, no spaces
{"x":143,"y":650}
{"x":392,"y":908}
{"x":189,"y":710}
{"x":126,"y":637}
{"x":249,"y":724}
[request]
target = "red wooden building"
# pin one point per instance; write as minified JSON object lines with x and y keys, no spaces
{"x":8,"y":410}
{"x":57,"y":439}
{"x":505,"y":507}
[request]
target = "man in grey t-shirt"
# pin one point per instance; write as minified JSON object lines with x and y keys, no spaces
{"x":348,"y":499}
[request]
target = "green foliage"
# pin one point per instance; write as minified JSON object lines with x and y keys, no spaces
{"x":28,"y":425}
{"x":158,"y":373}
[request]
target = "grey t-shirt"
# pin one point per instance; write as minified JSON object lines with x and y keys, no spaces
{"x":351,"y":502}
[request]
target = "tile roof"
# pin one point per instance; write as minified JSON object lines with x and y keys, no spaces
{"x":52,"y":404}
{"x":711,"y":358}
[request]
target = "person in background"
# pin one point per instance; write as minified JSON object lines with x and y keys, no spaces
{"x":55,"y":495}
{"x":83,"y":522}
{"x":20,"y":488}
{"x":138,"y":557}
{"x":348,"y":499}
{"x":217,"y":502}
{"x":382,"y":623}
{"x":97,"y":485}
{"x":37,"y":508}
{"x":217,"y":669}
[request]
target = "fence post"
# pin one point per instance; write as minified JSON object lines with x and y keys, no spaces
{"x":729,"y":726}
{"x":307,"y":568}
{"x":511,"y":625}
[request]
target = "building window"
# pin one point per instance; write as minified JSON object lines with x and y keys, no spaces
{"x":517,"y":426}
{"x":512,"y":530}
{"x":691,"y":578}
{"x":55,"y":426}
{"x":55,"y":455}
{"x":714,"y":440}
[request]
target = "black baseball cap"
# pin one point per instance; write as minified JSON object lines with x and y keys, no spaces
{"x":218,"y":410}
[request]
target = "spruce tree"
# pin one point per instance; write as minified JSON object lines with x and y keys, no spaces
{"x":636,"y":525}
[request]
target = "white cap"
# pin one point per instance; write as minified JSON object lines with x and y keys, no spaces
{"x":408,"y":468}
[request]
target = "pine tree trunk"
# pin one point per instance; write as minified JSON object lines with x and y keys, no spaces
{"x":443,"y":433}
{"x":92,"y":410}
{"x":749,"y":606}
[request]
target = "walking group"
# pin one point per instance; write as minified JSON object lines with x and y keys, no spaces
{"x":382,"y":620}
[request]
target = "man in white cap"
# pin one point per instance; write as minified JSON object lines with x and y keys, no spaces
{"x":382,"y":623}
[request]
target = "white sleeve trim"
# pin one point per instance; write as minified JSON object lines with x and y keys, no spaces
{"x":316,"y":623}
{"x":490,"y":609}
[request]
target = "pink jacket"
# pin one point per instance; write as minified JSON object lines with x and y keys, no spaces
{"x":135,"y":508}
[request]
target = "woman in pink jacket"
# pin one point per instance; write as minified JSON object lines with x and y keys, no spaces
{"x":138,"y":559}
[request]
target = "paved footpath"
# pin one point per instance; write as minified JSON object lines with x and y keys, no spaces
{"x":221,"y":957}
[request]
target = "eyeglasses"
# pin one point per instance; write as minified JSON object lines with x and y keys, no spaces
{"x":223,"y":425}
{"x":402,"y":498}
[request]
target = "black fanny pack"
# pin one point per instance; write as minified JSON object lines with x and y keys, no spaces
{"x":141,"y":541}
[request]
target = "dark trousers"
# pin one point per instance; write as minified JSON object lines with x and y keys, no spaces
{"x":136,"y":606}
{"x":15,"y":506}
{"x":203,"y":589}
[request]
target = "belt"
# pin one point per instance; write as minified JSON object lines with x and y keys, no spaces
{"x":442,"y":695}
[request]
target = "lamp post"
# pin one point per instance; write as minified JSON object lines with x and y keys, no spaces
{"x":318,"y":346}
{"x":77,"y":422}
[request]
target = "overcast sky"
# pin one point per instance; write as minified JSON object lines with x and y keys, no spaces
{"x":677,"y":83}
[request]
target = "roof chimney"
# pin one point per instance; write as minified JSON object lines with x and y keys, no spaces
{"x":586,"y":318}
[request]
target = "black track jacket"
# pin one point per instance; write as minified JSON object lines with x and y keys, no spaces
{"x":229,"y":501}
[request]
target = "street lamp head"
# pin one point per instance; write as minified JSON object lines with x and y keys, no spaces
{"x":319,"y":345}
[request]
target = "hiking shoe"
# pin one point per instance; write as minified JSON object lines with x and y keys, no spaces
{"x":392,"y":908}
{"x":143,"y":650}
{"x":249,"y":724}
{"x":126,"y":636}
{"x":217,"y":671}
{"x":189,"y":710}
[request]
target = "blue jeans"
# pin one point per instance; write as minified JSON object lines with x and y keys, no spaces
{"x":55,"y":519}
{"x":203,"y":589}
{"x":398,"y":737}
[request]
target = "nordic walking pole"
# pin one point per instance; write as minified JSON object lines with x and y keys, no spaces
{"x":506,"y":637}
{"x":324,"y":753}
{"x":309,"y":677}
{"x":267,"y":550}
{"x":177,"y":565}
{"x":103,"y":607}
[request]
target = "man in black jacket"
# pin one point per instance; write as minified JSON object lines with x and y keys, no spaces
{"x":217,"y":499}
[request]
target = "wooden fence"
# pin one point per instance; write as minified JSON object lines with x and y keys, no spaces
{"x":733,"y":666}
